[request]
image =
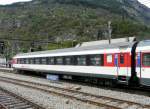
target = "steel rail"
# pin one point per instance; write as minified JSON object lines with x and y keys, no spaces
{"x":102,"y":101}
{"x":10,"y":100}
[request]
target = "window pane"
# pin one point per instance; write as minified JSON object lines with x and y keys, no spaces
{"x":37,"y":60}
{"x":43,"y":61}
{"x":146,"y":59}
{"x":51,"y":61}
{"x":109,"y":58}
{"x":18,"y":61}
{"x":31,"y":61}
{"x":121,"y":58}
{"x":68,"y":60}
{"x":59,"y":61}
{"x":22,"y":61}
{"x":25,"y":61}
{"x":81,"y":60}
{"x":96,"y":60}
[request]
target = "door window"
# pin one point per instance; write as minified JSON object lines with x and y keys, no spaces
{"x":146,"y":59}
{"x":109,"y":58}
{"x":121,"y":58}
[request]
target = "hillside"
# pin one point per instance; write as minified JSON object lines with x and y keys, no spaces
{"x":64,"y":20}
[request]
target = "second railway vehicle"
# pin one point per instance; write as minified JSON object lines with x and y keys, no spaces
{"x":125,"y":63}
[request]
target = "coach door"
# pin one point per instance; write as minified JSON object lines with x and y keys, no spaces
{"x":145,"y":69}
{"x":122,"y":66}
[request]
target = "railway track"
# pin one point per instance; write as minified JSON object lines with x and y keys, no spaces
{"x":102,"y":101}
{"x":9,"y":100}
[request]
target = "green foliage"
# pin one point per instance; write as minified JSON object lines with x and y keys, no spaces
{"x":110,"y":5}
{"x":64,"y":44}
{"x":79,"y":20}
{"x":128,"y":28}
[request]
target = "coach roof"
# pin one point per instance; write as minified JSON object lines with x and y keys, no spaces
{"x":144,"y":43}
{"x":108,"y":46}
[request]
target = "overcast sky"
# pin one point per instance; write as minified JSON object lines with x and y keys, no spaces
{"x":146,"y":2}
{"x":3,"y":2}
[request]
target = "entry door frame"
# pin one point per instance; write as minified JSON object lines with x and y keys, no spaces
{"x":144,"y":70}
{"x":122,"y":69}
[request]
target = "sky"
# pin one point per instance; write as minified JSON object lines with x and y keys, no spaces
{"x":4,"y":2}
{"x":145,"y":2}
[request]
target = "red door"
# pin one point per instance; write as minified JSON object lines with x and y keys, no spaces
{"x":123,"y":66}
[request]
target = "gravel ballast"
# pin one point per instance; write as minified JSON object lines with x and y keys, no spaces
{"x":97,"y":91}
{"x":46,"y":100}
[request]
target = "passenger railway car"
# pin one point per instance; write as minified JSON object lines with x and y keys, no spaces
{"x":125,"y":63}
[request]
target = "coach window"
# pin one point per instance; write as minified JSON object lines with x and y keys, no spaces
{"x":51,"y":60}
{"x":29,"y":61}
{"x":37,"y":60}
{"x":81,"y":60}
{"x":109,"y":58}
{"x":18,"y":61}
{"x":32,"y":61}
{"x":146,"y":59}
{"x":68,"y":60}
{"x":59,"y":60}
{"x":22,"y":61}
{"x":74,"y":60}
{"x":43,"y":61}
{"x":96,"y":60}
{"x":47,"y":60}
{"x":25,"y":61}
{"x":121,"y":58}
